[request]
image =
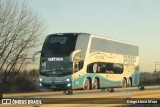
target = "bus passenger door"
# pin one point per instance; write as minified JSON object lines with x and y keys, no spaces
{"x":77,"y":57}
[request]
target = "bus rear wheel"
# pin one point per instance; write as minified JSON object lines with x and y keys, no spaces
{"x":87,"y":84}
{"x":129,"y":82}
{"x":95,"y":84}
{"x":124,"y":83}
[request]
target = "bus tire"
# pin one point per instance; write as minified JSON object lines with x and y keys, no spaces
{"x":95,"y":84}
{"x":70,"y":92}
{"x":124,"y":83}
{"x":111,"y":89}
{"x":87,"y":84}
{"x":130,"y":82}
{"x":141,"y":88}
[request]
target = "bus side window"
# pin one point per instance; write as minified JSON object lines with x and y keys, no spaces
{"x":90,"y":68}
{"x":118,"y":68}
{"x":109,"y":68}
{"x":103,"y":69}
{"x":81,"y":64}
{"x":98,"y":69}
{"x":78,"y":66}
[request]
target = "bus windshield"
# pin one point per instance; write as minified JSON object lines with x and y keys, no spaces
{"x":56,"y":68}
{"x":59,"y":45}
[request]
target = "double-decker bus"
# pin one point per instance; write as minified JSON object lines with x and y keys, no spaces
{"x":86,"y":61}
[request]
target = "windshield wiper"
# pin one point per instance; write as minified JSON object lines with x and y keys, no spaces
{"x":58,"y":70}
{"x":44,"y":71}
{"x":63,"y":71}
{"x":50,"y":71}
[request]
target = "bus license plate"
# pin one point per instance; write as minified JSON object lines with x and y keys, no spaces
{"x":53,"y":86}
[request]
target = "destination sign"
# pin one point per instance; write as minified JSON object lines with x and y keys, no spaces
{"x":55,"y":59}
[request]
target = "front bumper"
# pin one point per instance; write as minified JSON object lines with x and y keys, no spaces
{"x":59,"y":85}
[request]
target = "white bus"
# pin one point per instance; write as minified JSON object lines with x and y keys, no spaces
{"x":86,"y":61}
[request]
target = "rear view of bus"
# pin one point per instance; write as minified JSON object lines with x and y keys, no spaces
{"x":56,"y":61}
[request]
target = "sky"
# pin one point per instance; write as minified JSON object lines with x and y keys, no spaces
{"x":132,"y":21}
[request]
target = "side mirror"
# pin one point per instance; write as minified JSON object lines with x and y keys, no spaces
{"x":34,"y":55}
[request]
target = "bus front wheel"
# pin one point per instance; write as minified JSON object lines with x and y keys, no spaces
{"x":87,"y":84}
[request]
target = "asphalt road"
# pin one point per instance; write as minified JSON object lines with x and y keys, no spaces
{"x":101,"y":98}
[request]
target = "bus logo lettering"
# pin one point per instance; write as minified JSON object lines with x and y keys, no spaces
{"x":129,"y":61}
{"x":99,"y":57}
{"x":61,"y":40}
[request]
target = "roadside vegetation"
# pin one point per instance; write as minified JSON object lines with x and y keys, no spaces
{"x":21,"y":33}
{"x":24,"y":81}
{"x":147,"y":78}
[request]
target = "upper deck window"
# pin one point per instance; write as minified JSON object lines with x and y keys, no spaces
{"x":104,"y":45}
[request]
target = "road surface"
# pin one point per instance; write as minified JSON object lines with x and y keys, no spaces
{"x":101,"y":98}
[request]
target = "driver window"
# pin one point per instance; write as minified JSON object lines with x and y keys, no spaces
{"x":78,"y":66}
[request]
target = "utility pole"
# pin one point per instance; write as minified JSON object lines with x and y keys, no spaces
{"x":157,"y":64}
{"x":157,"y":69}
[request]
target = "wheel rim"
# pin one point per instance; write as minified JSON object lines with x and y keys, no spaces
{"x":124,"y":83}
{"x":95,"y":84}
{"x":87,"y":85}
{"x":129,"y":83}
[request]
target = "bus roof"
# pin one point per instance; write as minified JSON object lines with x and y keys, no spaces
{"x":102,"y":37}
{"x":96,"y":36}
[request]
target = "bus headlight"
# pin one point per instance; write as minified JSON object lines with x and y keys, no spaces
{"x":68,"y":79}
{"x":40,"y":79}
{"x":68,"y":85}
{"x":40,"y":85}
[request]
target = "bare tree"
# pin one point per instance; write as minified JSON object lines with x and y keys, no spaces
{"x":20,"y":32}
